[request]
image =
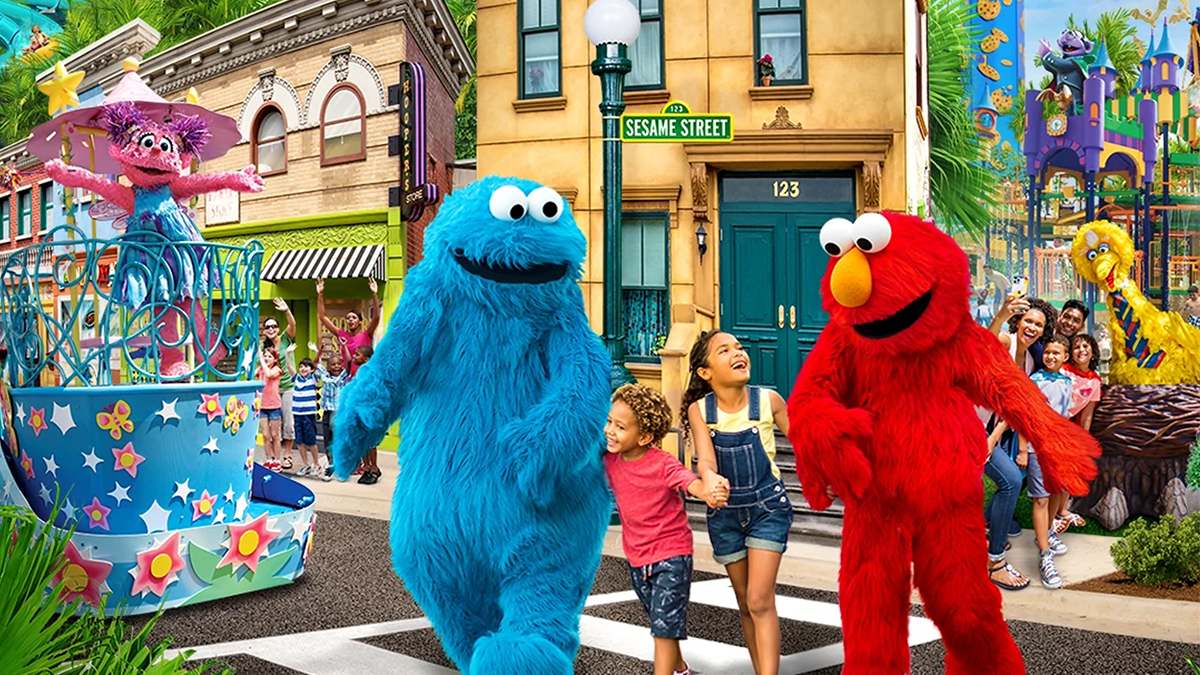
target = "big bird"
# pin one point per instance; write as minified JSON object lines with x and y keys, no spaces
{"x":1149,"y":346}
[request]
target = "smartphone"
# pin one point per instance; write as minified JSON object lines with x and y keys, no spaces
{"x":1020,"y":286}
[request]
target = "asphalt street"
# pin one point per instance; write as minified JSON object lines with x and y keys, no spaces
{"x":353,"y":614}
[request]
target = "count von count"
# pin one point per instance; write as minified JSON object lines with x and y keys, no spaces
{"x":677,"y":127}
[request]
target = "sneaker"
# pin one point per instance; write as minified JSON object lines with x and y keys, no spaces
{"x":1050,"y":577}
{"x":327,"y":475}
{"x":1057,"y":547}
{"x":303,"y":471}
{"x":272,"y":465}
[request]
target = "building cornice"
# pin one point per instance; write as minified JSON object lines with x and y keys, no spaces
{"x":101,"y":60}
{"x":293,"y":24}
{"x":782,"y":147}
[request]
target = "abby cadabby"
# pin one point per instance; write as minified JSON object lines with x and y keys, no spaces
{"x":152,"y":151}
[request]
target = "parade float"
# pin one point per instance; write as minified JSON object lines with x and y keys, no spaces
{"x":1081,"y":127}
{"x":128,"y":407}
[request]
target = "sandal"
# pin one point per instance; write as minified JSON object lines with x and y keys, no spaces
{"x":1001,"y":565}
{"x":1074,"y":520}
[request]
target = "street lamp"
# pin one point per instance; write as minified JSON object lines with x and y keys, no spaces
{"x":612,"y":25}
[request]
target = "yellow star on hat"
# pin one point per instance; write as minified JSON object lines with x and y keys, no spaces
{"x":61,"y":88}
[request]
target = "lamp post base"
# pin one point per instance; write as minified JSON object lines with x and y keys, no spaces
{"x":619,"y":375}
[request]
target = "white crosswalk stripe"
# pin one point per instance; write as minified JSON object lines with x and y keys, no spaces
{"x":337,"y":651}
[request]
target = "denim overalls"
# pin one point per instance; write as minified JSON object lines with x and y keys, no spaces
{"x":759,"y":513}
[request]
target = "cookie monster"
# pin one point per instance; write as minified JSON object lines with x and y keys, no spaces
{"x":502,"y":390}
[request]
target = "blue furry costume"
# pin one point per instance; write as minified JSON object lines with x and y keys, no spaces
{"x":502,"y":390}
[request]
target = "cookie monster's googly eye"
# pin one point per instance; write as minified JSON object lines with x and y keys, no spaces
{"x":508,"y":203}
{"x":1092,"y":254}
{"x":545,"y":205}
{"x":837,"y":236}
{"x":146,"y":141}
{"x":872,"y":232}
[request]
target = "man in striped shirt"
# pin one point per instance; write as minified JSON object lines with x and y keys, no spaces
{"x":304,"y":410}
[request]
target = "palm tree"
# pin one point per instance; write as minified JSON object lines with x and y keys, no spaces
{"x":464,"y":13}
{"x":964,"y":190}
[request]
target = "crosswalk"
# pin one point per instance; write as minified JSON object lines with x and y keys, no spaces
{"x":341,"y":650}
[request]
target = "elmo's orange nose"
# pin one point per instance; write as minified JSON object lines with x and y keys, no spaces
{"x":851,"y":279}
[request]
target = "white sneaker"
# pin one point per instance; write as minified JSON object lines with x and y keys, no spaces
{"x":304,"y":470}
{"x":1057,"y":547}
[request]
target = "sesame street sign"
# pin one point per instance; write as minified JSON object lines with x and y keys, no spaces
{"x":677,"y":124}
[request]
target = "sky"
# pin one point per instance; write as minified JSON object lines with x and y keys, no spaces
{"x":1045,"y":19}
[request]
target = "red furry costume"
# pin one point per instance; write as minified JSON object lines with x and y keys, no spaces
{"x":883,"y":412}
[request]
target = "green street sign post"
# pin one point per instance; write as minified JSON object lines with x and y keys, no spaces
{"x":677,"y":124}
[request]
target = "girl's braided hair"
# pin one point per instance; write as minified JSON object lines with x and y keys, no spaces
{"x":650,"y":409}
{"x":697,"y":387}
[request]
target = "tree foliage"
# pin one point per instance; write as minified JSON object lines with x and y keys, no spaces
{"x":464,"y":13}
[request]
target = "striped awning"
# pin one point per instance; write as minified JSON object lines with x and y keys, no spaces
{"x":347,"y":262}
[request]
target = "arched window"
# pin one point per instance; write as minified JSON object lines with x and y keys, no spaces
{"x":270,"y":142}
{"x":343,"y":126}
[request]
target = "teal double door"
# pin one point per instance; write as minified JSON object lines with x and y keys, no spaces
{"x":772,"y":264}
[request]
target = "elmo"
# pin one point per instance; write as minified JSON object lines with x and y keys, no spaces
{"x":883,"y":412}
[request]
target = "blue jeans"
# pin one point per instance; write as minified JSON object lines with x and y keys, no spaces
{"x":1005,"y":473}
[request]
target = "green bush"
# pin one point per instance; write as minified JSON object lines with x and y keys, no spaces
{"x":1193,"y":466}
{"x":1160,"y":554}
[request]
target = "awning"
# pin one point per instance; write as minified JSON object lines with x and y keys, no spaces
{"x":347,"y":262}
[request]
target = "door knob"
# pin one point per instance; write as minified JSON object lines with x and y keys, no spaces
{"x":780,"y":312}
{"x":792,"y":313}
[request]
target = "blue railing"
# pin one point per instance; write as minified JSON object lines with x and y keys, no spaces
{"x":170,"y":311}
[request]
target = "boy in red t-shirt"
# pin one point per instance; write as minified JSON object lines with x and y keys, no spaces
{"x":654,"y":525}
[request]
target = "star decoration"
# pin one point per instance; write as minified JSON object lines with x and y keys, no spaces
{"x":68,"y":511}
{"x":44,"y":493}
{"x":62,"y":418}
{"x":211,"y":446}
{"x":229,"y":494}
{"x":120,"y":493}
{"x":182,"y":491}
{"x":126,"y":459}
{"x":299,"y":527}
{"x":155,"y":518}
{"x":26,"y":465}
{"x":247,"y":543}
{"x":97,"y":514}
{"x":90,"y":460}
{"x":51,"y":466}
{"x":61,"y":88}
{"x":203,"y":507}
{"x":192,"y":96}
{"x":21,"y":413}
{"x":167,"y":411}
{"x":220,"y":517}
{"x":82,"y":577}
{"x":239,"y":510}
{"x":157,"y":567}
{"x":37,"y":420}
{"x":210,"y":406}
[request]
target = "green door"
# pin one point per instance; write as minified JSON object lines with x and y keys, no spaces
{"x":772,"y":263}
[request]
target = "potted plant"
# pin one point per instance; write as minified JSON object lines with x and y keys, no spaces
{"x":766,"y":70}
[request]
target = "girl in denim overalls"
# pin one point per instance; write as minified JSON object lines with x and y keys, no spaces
{"x":735,"y":458}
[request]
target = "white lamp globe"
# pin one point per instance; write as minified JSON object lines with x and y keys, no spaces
{"x":612,"y":21}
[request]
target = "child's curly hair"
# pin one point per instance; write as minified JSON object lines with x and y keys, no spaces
{"x":649,"y":407}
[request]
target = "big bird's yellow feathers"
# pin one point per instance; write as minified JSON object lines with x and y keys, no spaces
{"x":1149,"y":346}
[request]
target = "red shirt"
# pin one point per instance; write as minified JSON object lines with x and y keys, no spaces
{"x":351,"y":342}
{"x":654,"y":524}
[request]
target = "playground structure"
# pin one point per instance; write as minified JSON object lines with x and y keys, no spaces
{"x":158,"y":477}
{"x":1108,"y":154}
{"x":17,"y":23}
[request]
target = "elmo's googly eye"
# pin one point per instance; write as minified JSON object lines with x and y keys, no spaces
{"x":508,"y":203}
{"x":872,"y":232}
{"x":1092,"y":254}
{"x":146,"y":141}
{"x":837,"y":236}
{"x":545,"y":205}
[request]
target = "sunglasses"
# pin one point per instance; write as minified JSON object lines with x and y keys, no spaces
{"x":272,"y":325}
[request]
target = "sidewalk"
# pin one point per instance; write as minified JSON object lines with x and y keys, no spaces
{"x":813,"y":563}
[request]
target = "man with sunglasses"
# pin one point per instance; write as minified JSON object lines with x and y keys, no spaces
{"x":272,"y":338}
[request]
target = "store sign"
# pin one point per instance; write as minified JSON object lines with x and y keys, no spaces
{"x":677,"y":124}
{"x":415,"y":191}
{"x":221,"y":207}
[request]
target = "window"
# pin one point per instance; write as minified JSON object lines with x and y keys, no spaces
{"x":779,"y":30}
{"x":270,"y":141}
{"x":342,"y":126}
{"x":5,"y":217}
{"x":646,"y":53}
{"x":46,"y":205}
{"x":538,"y":48}
{"x":644,"y":286}
{"x":24,"y":213}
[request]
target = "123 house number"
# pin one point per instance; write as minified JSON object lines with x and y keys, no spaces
{"x":786,"y":189}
